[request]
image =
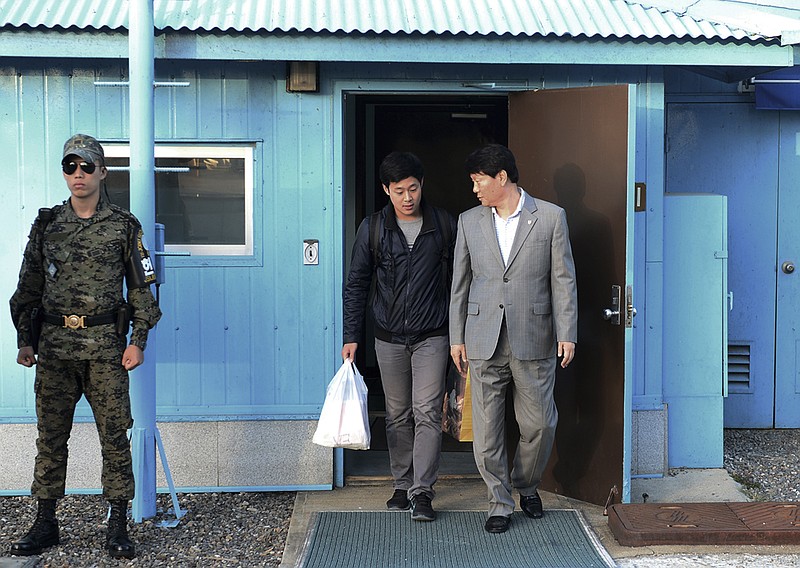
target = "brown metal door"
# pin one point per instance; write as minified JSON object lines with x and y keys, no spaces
{"x":574,"y":148}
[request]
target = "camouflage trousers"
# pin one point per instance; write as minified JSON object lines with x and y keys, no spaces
{"x":59,"y":386}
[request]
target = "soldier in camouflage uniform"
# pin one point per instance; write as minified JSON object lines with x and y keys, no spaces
{"x":78,"y":255}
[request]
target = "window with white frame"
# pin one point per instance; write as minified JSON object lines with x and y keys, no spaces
{"x":204,"y":195}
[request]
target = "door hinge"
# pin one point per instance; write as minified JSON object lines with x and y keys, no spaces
{"x":640,"y":197}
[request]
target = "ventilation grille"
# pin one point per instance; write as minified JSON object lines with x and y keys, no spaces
{"x":739,"y":365}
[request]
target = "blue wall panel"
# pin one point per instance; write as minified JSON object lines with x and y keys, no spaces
{"x":648,"y":252}
{"x":186,"y":311}
{"x":749,"y":172}
{"x":16,"y":387}
{"x":247,"y":337}
{"x":787,"y":368}
{"x":695,"y":279}
{"x":238,"y":338}
{"x":211,"y":325}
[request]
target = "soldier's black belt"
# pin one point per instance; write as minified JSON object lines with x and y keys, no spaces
{"x":78,"y":322}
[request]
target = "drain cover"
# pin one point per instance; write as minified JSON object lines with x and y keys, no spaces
{"x":642,"y":524}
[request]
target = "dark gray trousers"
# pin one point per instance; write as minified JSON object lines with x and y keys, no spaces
{"x":413,"y":382}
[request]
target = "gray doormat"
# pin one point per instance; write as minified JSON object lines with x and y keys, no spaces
{"x":384,"y":539}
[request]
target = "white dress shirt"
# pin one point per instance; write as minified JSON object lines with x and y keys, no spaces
{"x":506,"y":229}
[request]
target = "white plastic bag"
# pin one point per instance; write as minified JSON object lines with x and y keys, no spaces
{"x":344,"y":420}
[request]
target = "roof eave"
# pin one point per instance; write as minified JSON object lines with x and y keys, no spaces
{"x":791,"y":37}
{"x":430,"y":48}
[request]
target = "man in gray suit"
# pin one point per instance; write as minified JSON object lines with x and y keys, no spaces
{"x":513,"y":311}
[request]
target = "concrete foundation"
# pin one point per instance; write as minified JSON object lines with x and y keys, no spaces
{"x":201,"y":455}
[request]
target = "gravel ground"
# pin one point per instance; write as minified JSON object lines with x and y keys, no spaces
{"x":219,"y":529}
{"x":765,"y":462}
{"x":249,"y":529}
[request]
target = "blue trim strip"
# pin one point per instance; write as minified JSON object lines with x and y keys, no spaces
{"x":165,"y":490}
{"x":199,"y":418}
{"x":249,"y":489}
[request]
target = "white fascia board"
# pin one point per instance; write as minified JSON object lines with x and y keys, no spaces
{"x":399,"y":49}
{"x":790,"y":38}
{"x":67,"y":44}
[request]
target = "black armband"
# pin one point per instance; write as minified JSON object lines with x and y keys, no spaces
{"x":139,"y":270}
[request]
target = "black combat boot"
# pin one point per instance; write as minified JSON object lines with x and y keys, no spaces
{"x":43,"y":533}
{"x":117,"y":542}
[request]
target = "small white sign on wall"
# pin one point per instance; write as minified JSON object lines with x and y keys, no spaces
{"x":310,"y":251}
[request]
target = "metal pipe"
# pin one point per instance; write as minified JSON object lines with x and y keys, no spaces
{"x":155,"y":83}
{"x":775,"y":81}
{"x":142,"y":192}
{"x":176,"y":170}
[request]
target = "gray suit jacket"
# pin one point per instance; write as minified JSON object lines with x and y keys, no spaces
{"x":536,"y":291}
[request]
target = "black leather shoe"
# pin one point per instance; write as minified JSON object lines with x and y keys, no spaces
{"x":421,"y":508}
{"x":399,"y":501}
{"x":531,"y":505}
{"x":497,"y":524}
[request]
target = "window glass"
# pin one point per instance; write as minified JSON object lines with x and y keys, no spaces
{"x":203,"y":196}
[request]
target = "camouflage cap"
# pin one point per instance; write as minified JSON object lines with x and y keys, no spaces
{"x":86,"y":147}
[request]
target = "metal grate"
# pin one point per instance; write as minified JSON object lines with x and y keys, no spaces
{"x":739,"y":366}
{"x":456,"y":539}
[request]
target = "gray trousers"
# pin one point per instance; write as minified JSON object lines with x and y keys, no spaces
{"x":532,"y":387}
{"x":413,"y":382}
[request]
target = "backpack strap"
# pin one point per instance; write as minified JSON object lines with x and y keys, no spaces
{"x":43,"y":219}
{"x":45,"y":216}
{"x":444,"y":227}
{"x":375,"y":249}
{"x":375,"y":238}
{"x":441,"y":219}
{"x":445,"y":236}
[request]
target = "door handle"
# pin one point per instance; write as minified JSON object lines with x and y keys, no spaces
{"x":608,"y":314}
{"x":787,"y":267}
{"x":612,"y":314}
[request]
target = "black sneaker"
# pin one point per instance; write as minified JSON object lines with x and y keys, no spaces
{"x":421,"y":509}
{"x":399,"y":501}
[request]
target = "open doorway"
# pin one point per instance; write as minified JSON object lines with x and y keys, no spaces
{"x":442,"y":130}
{"x":577,"y":149}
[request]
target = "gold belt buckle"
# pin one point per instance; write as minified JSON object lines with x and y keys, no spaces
{"x":75,"y":322}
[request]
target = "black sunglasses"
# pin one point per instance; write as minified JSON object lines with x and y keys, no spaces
{"x":70,"y":167}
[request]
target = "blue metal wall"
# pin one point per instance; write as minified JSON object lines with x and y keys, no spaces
{"x":259,"y":337}
{"x":250,"y":336}
{"x":756,"y":154}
